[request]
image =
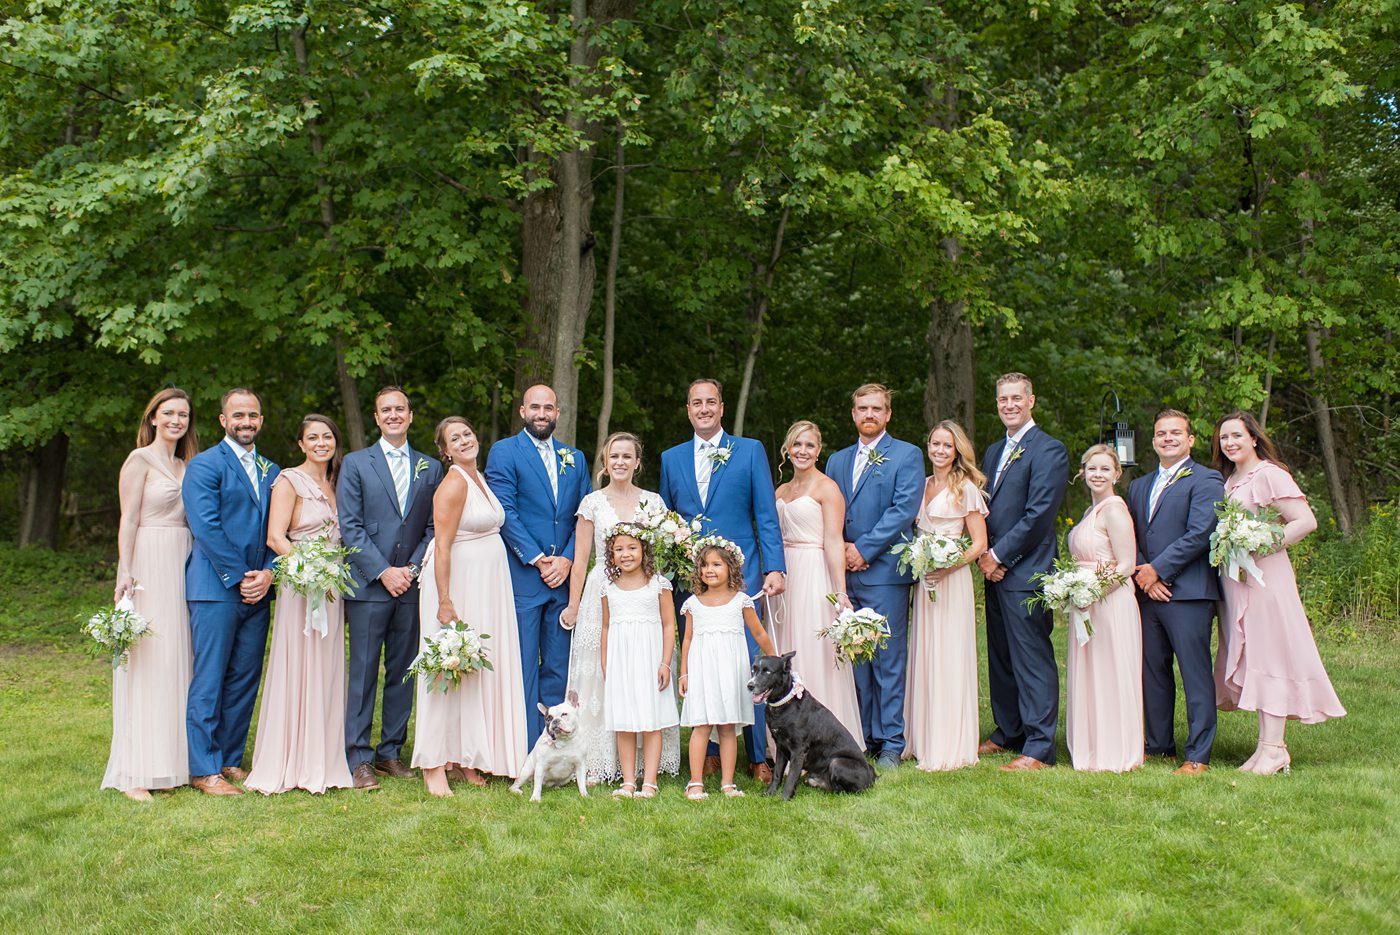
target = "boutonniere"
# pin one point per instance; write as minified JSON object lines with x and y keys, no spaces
{"x":566,"y":459}
{"x":420,"y":467}
{"x":1016,"y":452}
{"x":874,"y":457}
{"x":721,"y":455}
{"x":264,"y":466}
{"x":1179,"y":475}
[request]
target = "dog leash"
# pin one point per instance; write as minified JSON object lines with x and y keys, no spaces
{"x":771,"y":612}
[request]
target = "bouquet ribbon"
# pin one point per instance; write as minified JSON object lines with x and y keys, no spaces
{"x":1239,"y":562}
{"x":1079,"y":623}
{"x":317,"y":617}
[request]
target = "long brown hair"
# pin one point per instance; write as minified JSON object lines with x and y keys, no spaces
{"x":332,"y":469}
{"x":602,"y":461}
{"x":731,"y":561}
{"x":1263,"y":445}
{"x":187,"y":445}
{"x":964,"y":461}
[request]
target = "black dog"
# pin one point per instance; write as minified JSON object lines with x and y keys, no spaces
{"x":807,"y":734}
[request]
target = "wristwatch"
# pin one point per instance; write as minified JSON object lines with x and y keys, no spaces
{"x":412,"y":571}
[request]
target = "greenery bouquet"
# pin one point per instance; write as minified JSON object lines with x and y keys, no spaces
{"x":670,"y":537}
{"x":1070,"y":588}
{"x":930,"y":551}
{"x":450,"y":653}
{"x":316,"y":569}
{"x":857,"y":633}
{"x":116,"y":629}
{"x":1242,"y":534}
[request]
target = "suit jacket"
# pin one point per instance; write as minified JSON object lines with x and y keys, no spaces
{"x":229,"y":523}
{"x":739,"y":503}
{"x":1023,"y":505}
{"x":1176,"y":539}
{"x":368,"y":506}
{"x":882,"y":507}
{"x":536,"y":522}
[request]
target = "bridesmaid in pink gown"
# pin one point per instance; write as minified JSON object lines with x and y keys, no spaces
{"x":301,"y":722}
{"x":480,"y":725}
{"x":811,"y":513}
{"x":1103,"y":694}
{"x":940,"y":702}
{"x":1267,"y":661}
{"x":148,"y":695}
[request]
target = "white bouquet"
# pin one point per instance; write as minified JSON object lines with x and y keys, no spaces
{"x":670,"y":537}
{"x":857,"y":633}
{"x":1240,"y":535}
{"x":450,"y":653}
{"x":1070,"y":588}
{"x":930,"y":551}
{"x":316,"y":569}
{"x":114,"y":631}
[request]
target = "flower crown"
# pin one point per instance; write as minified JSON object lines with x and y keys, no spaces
{"x":699,"y":546}
{"x":640,"y":533}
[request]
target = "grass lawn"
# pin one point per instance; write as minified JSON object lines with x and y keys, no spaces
{"x":1318,"y":850}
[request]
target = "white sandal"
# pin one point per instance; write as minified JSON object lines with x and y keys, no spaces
{"x":625,"y":791}
{"x":695,"y":791}
{"x":733,"y":791}
{"x":648,"y":791}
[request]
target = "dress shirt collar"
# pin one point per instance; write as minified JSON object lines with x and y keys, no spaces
{"x":239,"y":451}
{"x":1020,"y":433}
{"x":389,"y":449}
{"x":714,"y":440}
{"x":1164,"y":475}
{"x":873,"y":445}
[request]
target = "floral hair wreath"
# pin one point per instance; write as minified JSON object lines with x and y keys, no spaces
{"x":718,"y":542}
{"x":640,"y":533}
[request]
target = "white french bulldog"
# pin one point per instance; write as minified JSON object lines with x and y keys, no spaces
{"x":556,"y":757}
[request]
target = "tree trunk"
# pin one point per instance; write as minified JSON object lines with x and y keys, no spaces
{"x":759,"y":295}
{"x":610,"y":301}
{"x":1268,"y":380}
{"x":950,"y":392}
{"x":349,"y":392}
{"x":1326,"y":438}
{"x":41,"y":492}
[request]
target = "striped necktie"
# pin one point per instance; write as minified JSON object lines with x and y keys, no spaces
{"x":398,"y":466}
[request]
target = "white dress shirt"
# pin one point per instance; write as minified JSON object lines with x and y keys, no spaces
{"x":1013,"y":441}
{"x":394,"y":457}
{"x":1160,"y":485}
{"x":704,"y":463}
{"x":249,"y":461}
{"x":862,"y":458}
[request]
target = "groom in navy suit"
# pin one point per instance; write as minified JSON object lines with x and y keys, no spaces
{"x":726,"y":480}
{"x":384,"y":497}
{"x":227,"y":579}
{"x":882,"y":481}
{"x":1173,"y":512}
{"x":539,"y":483}
{"x":1028,"y":471}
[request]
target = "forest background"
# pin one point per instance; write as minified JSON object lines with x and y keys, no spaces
{"x":1191,"y":204}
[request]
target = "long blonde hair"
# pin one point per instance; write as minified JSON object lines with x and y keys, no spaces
{"x":602,"y":460}
{"x":964,"y":462}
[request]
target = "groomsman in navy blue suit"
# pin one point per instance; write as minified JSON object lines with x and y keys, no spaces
{"x":1173,"y":513}
{"x":1028,"y":471}
{"x":726,"y":480}
{"x":227,"y":579}
{"x":539,"y":483}
{"x":882,"y":481}
{"x":384,"y":497}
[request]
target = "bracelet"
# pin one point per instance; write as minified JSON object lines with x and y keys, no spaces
{"x":665,"y":666}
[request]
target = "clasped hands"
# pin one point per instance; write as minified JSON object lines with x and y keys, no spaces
{"x":254,"y":585}
{"x":1150,"y":584}
{"x":553,"y":569}
{"x":992,"y":569}
{"x":396,"y":580}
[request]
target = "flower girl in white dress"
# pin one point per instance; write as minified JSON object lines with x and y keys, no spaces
{"x":715,"y":659}
{"x":639,"y":635}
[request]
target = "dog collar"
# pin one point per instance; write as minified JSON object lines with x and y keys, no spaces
{"x":797,"y":691}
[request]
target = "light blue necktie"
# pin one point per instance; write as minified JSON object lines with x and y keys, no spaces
{"x":398,"y":466}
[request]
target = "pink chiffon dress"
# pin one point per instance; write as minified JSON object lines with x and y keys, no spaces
{"x":1103,"y":693}
{"x":802,"y":610}
{"x":1268,"y":660}
{"x":480,"y":723}
{"x":149,"y":750}
{"x":300,"y":742}
{"x":940,"y":701}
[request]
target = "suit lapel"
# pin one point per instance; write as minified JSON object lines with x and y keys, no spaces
{"x":1162,"y":499}
{"x":717,"y":469}
{"x":240,"y":476}
{"x":839,"y":471}
{"x":413,"y":483}
{"x":880,"y":449}
{"x":532,"y":454}
{"x":1024,"y":446}
{"x":386,"y":477}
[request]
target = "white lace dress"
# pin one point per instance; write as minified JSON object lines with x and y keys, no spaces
{"x":585,"y":672}
{"x":635,"y":639}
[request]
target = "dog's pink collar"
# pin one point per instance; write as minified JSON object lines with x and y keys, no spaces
{"x":797,"y":691}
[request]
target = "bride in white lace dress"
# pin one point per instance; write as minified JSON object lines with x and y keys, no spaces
{"x":598,"y":512}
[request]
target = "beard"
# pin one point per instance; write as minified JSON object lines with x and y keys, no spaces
{"x":541,"y":431}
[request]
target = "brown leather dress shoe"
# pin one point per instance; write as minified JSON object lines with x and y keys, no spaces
{"x":711,"y":766}
{"x":987,"y":748}
{"x":394,"y":768}
{"x":761,"y":772}
{"x":363,"y":777}
{"x":1190,"y":768}
{"x":234,"y":773}
{"x":1022,"y":764}
{"x":214,"y":785}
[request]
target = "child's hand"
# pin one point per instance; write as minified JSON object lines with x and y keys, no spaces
{"x":663,"y":677}
{"x":682,"y":684}
{"x":568,"y":617}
